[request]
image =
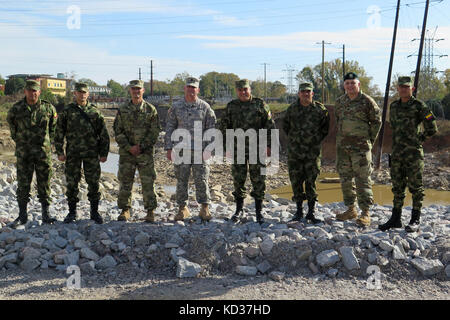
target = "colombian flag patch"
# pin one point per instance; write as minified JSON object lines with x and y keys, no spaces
{"x":429,"y":117}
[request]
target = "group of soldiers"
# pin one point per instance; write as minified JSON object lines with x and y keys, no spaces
{"x":34,"y":124}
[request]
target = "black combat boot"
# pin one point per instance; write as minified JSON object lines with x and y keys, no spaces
{"x":239,"y":210}
{"x":394,"y":221}
{"x":72,"y":216}
{"x":310,"y":215}
{"x":94,"y":212}
{"x":46,"y":215}
{"x":299,"y":213}
{"x":258,"y":208}
{"x":413,"y":225}
{"x":23,"y":216}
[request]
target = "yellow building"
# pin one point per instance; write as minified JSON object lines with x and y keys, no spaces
{"x":56,"y":86}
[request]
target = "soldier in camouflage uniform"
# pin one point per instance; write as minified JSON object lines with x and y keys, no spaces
{"x":358,"y":121}
{"x":247,"y":112}
{"x":83,"y":127}
{"x":136,"y":129}
{"x":184,"y":114}
{"x":306,"y":124}
{"x":32,"y":123}
{"x":405,"y":116}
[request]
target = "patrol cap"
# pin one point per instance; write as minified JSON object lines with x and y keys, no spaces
{"x":405,"y":81}
{"x":136,"y":84}
{"x":192,"y":82}
{"x":244,"y":83}
{"x":32,"y":85}
{"x":305,"y":86}
{"x":81,"y":87}
{"x":350,"y":76}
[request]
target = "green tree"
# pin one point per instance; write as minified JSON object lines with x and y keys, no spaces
{"x":333,"y":79}
{"x":117,"y":90}
{"x":14,"y":85}
{"x":89,"y":82}
{"x":177,"y":84}
{"x":215,"y":85}
{"x":2,"y":81}
{"x":47,"y":95}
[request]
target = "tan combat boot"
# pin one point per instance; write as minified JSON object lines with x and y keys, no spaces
{"x":351,"y":213}
{"x":204,"y":212}
{"x":150,"y":216}
{"x":183,"y":213}
{"x":125,"y":215}
{"x":364,"y":219}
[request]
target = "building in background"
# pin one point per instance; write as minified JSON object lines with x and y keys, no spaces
{"x":57,"y":86}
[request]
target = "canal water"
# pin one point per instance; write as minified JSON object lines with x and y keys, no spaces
{"x":331,"y":192}
{"x":328,"y":192}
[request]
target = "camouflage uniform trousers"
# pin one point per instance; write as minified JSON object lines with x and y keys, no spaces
{"x":25,"y":168}
{"x":355,"y":164}
{"x":239,"y":174}
{"x":91,"y":168}
{"x":200,"y":172}
{"x":407,"y":171}
{"x":147,"y":174}
{"x":303,"y":171}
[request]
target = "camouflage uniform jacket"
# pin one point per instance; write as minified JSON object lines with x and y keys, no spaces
{"x":136,"y":125}
{"x":306,"y":127}
{"x":254,"y":114}
{"x":358,"y":122}
{"x":184,"y":115}
{"x":32,"y":128}
{"x":405,"y":119}
{"x":85,"y":139}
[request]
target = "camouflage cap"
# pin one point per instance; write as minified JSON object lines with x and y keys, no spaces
{"x":81,"y":87}
{"x":350,"y":76}
{"x":136,"y":84}
{"x":33,"y":85}
{"x":305,"y":86}
{"x":244,"y":83}
{"x":405,"y":81}
{"x":192,"y":82}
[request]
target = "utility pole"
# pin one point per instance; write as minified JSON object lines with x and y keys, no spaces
{"x":419,"y":59}
{"x":343,"y":61}
{"x":139,"y":73}
{"x":386,"y":92}
{"x":151,"y":78}
{"x":323,"y":69}
{"x":265,"y":82}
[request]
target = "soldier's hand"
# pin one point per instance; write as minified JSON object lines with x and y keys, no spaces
{"x":169,"y":155}
{"x":103,"y":159}
{"x":268,"y":152}
{"x":62,"y":158}
{"x":135,"y":150}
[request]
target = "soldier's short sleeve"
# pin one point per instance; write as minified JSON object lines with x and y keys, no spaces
{"x":171,"y":125}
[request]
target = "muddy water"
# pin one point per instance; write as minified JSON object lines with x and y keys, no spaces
{"x":331,"y":192}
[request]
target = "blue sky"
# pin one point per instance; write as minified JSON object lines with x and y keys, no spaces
{"x":117,"y":37}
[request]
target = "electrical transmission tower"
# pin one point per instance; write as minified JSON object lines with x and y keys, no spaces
{"x":290,"y":82}
{"x":427,"y":63}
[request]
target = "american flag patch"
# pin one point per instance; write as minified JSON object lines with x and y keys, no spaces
{"x":429,"y":117}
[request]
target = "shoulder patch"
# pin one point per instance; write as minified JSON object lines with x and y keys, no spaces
{"x":429,"y":116}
